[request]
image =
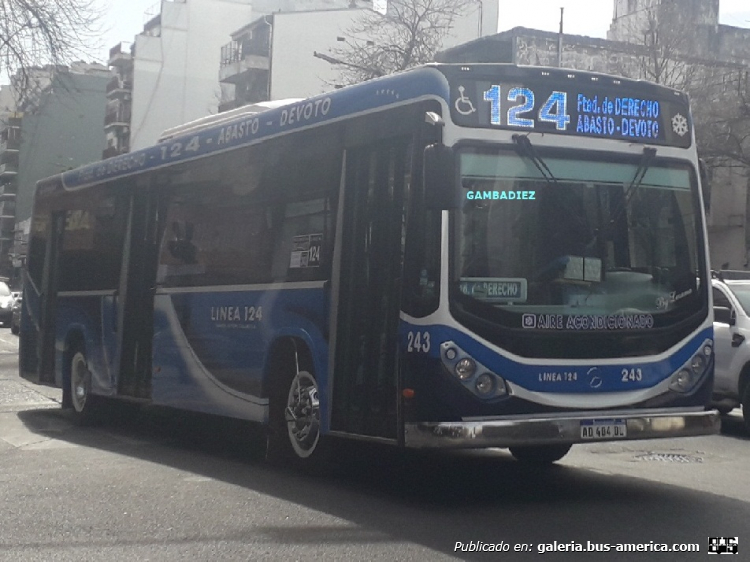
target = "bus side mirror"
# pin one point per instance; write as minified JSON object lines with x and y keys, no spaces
{"x":439,"y":173}
{"x":705,"y":184}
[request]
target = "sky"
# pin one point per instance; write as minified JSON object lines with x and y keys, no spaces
{"x":123,"y":19}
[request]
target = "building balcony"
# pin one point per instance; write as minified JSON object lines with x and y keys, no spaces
{"x":7,"y":227}
{"x":237,"y":50}
{"x":8,"y":208}
{"x":8,"y":186}
{"x":119,"y":57}
{"x":8,"y":170}
{"x":118,"y":118}
{"x":239,"y":58}
{"x":10,"y":139}
{"x":243,"y":71}
{"x":10,"y":145}
{"x":117,"y":87}
{"x":153,"y":26}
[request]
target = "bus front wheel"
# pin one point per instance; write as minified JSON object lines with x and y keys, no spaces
{"x":540,"y":454}
{"x":294,"y":430}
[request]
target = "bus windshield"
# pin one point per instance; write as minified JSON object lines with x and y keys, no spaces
{"x":574,"y":236}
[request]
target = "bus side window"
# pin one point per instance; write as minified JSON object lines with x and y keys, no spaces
{"x":92,"y":243}
{"x":302,"y":240}
{"x":214,"y":238}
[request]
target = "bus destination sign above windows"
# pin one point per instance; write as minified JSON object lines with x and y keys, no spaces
{"x":584,"y":110}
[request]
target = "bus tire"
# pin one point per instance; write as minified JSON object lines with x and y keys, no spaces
{"x":723,"y":410}
{"x":540,"y":454}
{"x":78,"y":388}
{"x":294,"y":422}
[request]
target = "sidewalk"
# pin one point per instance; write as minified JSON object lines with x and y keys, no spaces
{"x":16,"y":393}
{"x":19,"y":395}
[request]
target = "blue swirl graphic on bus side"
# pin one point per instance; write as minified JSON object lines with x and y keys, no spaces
{"x":210,"y":348}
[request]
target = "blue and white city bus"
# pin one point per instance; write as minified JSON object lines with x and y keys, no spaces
{"x":457,"y":256}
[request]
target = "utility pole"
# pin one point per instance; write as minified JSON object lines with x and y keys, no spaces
{"x":560,"y":41}
{"x":481,"y":16}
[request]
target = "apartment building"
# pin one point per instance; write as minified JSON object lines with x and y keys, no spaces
{"x":287,"y":54}
{"x":57,"y":127}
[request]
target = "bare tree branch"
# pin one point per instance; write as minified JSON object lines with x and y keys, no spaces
{"x":38,"y":33}
{"x":409,"y":35}
{"x":662,"y":39}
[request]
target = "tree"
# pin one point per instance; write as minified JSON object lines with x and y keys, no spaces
{"x":37,"y":33}
{"x":663,"y":35}
{"x":723,"y":103}
{"x":408,"y":35}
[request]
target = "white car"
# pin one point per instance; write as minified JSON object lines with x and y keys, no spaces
{"x":6,"y":303}
{"x":732,"y":345}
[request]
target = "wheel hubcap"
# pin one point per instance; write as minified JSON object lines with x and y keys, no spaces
{"x":302,"y":414}
{"x":80,"y":379}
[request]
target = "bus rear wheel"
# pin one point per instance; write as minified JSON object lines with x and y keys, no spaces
{"x":540,"y":454}
{"x":295,"y":421}
{"x":79,"y":396}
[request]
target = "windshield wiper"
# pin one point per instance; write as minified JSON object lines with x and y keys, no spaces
{"x":526,"y":150}
{"x":643,"y":166}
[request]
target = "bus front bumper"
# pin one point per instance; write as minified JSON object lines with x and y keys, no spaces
{"x":549,"y":429}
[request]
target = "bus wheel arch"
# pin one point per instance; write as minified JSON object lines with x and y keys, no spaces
{"x":294,"y":403}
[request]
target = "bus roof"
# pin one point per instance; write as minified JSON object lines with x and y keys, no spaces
{"x":248,"y":125}
{"x":221,"y":118}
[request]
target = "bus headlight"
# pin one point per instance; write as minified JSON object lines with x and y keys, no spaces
{"x":465,"y":368}
{"x":485,"y":384}
{"x":475,"y":377}
{"x":687,"y":376}
{"x":682,"y":381}
{"x":697,"y":364}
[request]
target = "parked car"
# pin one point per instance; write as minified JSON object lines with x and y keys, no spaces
{"x":15,"y":318}
{"x":732,"y":344}
{"x":6,"y":304}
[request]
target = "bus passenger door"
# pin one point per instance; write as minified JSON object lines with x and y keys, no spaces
{"x":135,"y":298}
{"x":37,"y":344}
{"x":365,"y":378}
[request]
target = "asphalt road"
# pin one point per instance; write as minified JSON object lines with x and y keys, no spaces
{"x":162,"y":486}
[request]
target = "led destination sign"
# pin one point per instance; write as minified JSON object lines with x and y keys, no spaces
{"x":582,"y":109}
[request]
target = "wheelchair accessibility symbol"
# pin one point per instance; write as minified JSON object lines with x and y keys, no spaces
{"x":463,"y":104}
